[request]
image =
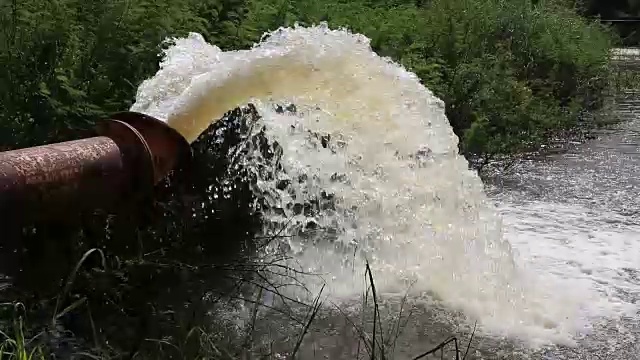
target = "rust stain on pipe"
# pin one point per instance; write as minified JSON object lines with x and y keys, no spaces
{"x":52,"y":178}
{"x":166,"y":146}
{"x":132,"y":153}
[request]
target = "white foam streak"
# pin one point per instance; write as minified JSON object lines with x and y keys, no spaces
{"x":407,"y":200}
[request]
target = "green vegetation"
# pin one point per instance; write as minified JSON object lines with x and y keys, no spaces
{"x":512,"y":73}
{"x":15,"y":346}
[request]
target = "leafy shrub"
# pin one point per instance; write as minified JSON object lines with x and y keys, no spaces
{"x":514,"y":72}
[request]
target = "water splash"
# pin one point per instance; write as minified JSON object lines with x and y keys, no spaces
{"x":370,"y":166}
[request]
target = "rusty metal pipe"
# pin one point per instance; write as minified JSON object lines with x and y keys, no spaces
{"x":131,"y":153}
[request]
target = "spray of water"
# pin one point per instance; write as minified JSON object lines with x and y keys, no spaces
{"x":369,"y":137}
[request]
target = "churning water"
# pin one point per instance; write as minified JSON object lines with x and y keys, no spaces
{"x":372,"y":148}
{"x":576,"y":217}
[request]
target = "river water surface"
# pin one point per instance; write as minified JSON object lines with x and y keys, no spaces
{"x":576,"y":217}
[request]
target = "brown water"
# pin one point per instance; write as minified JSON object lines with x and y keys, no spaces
{"x":556,"y":275}
{"x":573,"y":218}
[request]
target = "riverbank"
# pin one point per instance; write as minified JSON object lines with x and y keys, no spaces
{"x":625,"y":77}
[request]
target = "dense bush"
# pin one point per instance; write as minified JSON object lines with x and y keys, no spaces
{"x":66,"y":63}
{"x":514,"y":72}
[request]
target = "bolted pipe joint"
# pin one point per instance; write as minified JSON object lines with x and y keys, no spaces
{"x":131,"y":153}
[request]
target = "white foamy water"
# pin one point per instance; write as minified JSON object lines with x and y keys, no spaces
{"x":574,"y":216}
{"x":578,"y":245}
{"x":404,"y":198}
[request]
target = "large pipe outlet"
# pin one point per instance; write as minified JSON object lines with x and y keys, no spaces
{"x":131,"y":153}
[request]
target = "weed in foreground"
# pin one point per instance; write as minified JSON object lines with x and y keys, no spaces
{"x":375,"y":343}
{"x":14,"y":345}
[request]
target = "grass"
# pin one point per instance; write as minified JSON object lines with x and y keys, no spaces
{"x":373,"y":343}
{"x":14,"y":345}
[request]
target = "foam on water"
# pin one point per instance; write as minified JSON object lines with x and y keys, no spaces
{"x":404,"y":198}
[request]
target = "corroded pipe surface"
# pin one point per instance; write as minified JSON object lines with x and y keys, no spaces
{"x":132,"y":153}
{"x":43,"y":178}
{"x":167,"y":147}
